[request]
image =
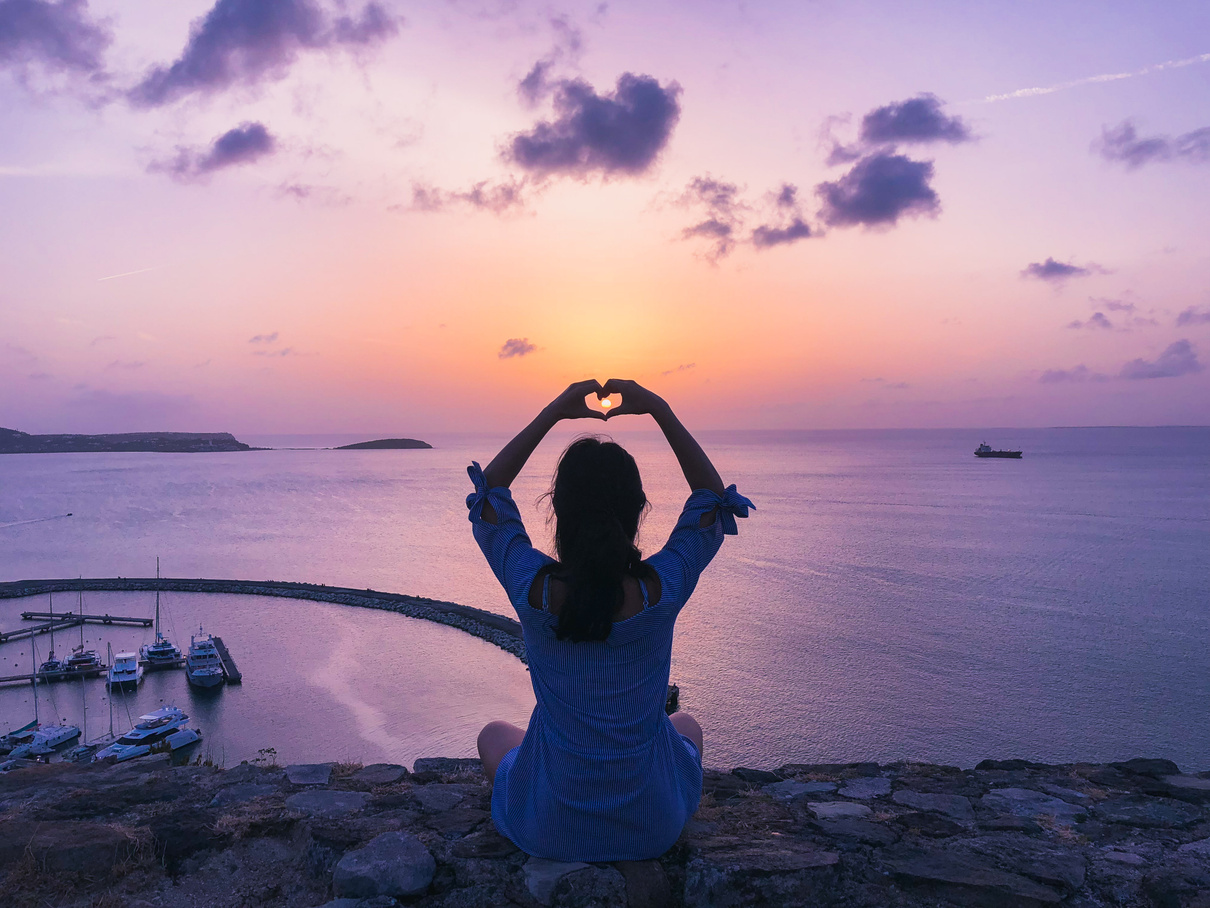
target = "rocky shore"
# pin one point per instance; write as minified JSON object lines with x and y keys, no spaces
{"x":1008,"y":833}
{"x":14,"y":442}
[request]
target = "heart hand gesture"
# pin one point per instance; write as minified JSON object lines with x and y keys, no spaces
{"x":572,"y":403}
{"x":635,"y":398}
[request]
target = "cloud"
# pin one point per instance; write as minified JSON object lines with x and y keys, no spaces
{"x":245,"y":42}
{"x":263,"y":338}
{"x":1122,"y":144}
{"x":1178,"y":359}
{"x":244,"y":144}
{"x":1112,"y":305}
{"x":721,"y":217}
{"x":917,"y":119}
{"x":497,"y":197}
{"x":790,"y":226}
{"x":57,"y":37}
{"x":569,"y":43}
{"x":621,"y":133}
{"x":880,"y":188}
{"x":684,"y":367}
{"x":1192,"y":316}
{"x":1056,"y":272}
{"x":1055,"y":376}
{"x":1096,"y":320}
{"x":120,"y":364}
{"x":284,"y":351}
{"x":1103,"y":77}
{"x":516,"y":346}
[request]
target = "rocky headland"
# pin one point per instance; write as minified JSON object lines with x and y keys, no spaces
{"x":908,"y":835}
{"x":385,"y":444}
{"x":15,"y":442}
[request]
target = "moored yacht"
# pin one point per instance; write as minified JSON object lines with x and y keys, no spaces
{"x":203,"y":668}
{"x":82,"y":663}
{"x":150,"y":729}
{"x":44,"y":740}
{"x":126,"y":672}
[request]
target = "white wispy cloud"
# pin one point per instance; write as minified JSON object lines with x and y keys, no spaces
{"x":1092,"y":80}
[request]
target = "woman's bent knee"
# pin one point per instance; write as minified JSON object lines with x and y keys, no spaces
{"x":688,"y":726}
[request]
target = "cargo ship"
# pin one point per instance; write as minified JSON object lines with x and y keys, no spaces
{"x":985,"y":450}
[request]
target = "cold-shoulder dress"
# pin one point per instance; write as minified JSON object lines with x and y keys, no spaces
{"x":602,"y":774}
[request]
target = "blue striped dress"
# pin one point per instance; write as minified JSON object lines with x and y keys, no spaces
{"x":602,"y":774}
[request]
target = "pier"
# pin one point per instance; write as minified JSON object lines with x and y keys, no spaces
{"x":230,"y":672}
{"x":498,"y":630}
{"x":59,"y":624}
{"x":93,"y":619}
{"x":46,"y":677}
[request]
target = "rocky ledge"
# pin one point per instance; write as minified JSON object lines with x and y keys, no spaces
{"x":1008,"y":833}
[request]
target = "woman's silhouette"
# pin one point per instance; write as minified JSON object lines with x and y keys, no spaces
{"x":601,"y":774}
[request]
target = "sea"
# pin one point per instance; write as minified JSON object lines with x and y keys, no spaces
{"x":892,"y":597}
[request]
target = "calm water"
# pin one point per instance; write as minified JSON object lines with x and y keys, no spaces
{"x":893,"y":597}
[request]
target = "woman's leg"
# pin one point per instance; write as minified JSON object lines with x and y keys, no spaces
{"x":687,"y":726}
{"x":496,"y":740}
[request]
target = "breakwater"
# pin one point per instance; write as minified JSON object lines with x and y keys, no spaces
{"x":498,"y":630}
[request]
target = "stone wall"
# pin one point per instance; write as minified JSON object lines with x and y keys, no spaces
{"x":906,"y":835}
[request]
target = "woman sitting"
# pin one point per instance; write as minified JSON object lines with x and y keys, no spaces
{"x":602,"y":773}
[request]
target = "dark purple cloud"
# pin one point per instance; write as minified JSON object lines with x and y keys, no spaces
{"x":1178,"y":359}
{"x":788,"y":224}
{"x":766,"y":236}
{"x":1123,"y":145}
{"x":880,"y":188}
{"x":1113,"y":305}
{"x":1053,"y":271}
{"x":1096,"y":320}
{"x":621,"y":133}
{"x":244,"y":144}
{"x":243,"y":42}
{"x":683,"y":367}
{"x":60,"y":37}
{"x":1192,"y":316}
{"x":516,"y":346}
{"x":263,"y":338}
{"x":569,"y":43}
{"x":917,"y":119}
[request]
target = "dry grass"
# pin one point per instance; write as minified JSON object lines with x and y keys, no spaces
{"x":257,"y":817}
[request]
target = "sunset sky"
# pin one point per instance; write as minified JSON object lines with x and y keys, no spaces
{"x":402,"y":217}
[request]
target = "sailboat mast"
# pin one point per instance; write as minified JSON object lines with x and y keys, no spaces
{"x":52,"y":626}
{"x":157,"y":598}
{"x":33,"y":661}
{"x":109,"y":693}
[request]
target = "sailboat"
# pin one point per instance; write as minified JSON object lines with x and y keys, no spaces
{"x":161,"y":654}
{"x":41,"y":740}
{"x":52,"y":669}
{"x":82,"y":663}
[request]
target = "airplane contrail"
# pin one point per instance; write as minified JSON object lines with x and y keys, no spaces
{"x":1089,"y":80}
{"x":129,"y":273}
{"x":17,"y":523}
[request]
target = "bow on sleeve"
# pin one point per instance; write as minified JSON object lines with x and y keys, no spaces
{"x":731,"y":504}
{"x":474,"y":501}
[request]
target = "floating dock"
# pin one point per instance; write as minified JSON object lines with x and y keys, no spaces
{"x":230,"y":672}
{"x":94,"y":619}
{"x":58,"y":624}
{"x":57,"y":676}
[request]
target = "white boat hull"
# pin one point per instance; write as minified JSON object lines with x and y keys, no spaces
{"x":207,"y":679}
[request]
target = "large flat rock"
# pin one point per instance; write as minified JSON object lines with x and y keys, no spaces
{"x":1025,"y":802}
{"x":380,"y":774}
{"x":309,"y":773}
{"x":394,"y":864}
{"x":328,"y":803}
{"x":951,"y":805}
{"x":777,"y":872}
{"x":966,"y":873}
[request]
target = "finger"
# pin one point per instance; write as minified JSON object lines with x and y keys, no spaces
{"x":614,"y":385}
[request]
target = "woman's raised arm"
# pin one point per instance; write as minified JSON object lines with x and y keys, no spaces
{"x":699,"y":471}
{"x":505,"y":466}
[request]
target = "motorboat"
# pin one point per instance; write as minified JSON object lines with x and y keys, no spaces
{"x":203,"y":668}
{"x":150,"y":729}
{"x":10,"y":765}
{"x":45,"y":740}
{"x":126,"y":672}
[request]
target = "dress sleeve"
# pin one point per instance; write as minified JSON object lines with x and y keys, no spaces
{"x":505,"y":544}
{"x":691,"y":547}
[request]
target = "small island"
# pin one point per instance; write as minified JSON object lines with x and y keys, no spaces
{"x":385,"y":444}
{"x":15,"y":442}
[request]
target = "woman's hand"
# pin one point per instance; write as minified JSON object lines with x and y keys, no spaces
{"x":571,"y":403}
{"x":635,"y":398}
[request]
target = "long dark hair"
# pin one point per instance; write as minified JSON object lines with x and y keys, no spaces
{"x":598,"y":502}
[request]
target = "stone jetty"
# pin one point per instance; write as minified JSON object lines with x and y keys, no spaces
{"x":498,"y":630}
{"x":906,"y":835}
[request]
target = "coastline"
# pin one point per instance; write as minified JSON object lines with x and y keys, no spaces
{"x":857,"y":835}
